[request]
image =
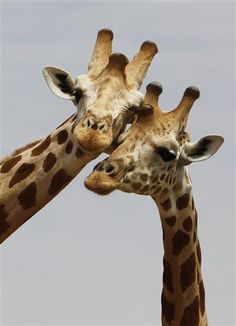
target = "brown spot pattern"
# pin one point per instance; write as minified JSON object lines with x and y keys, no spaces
{"x":170,"y":220}
{"x":21,"y":173}
{"x":4,"y":225}
{"x":191,"y":314}
{"x":137,"y":185}
{"x":188,"y":272}
{"x":182,"y":202}
{"x":62,"y":137}
{"x":179,"y":241}
{"x":168,"y":309}
{"x":188,"y":224}
{"x":49,"y":162}
{"x":8,"y":165}
{"x":27,"y":198}
{"x":167,"y":276}
{"x":58,"y":182}
{"x":145,"y":188}
{"x":79,"y":153}
{"x":69,"y":147}
{"x":202,"y":297}
{"x":166,"y":205}
{"x":144,"y":177}
{"x":41,"y":147}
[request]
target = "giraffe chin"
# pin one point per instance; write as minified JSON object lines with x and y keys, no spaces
{"x":100,"y":183}
{"x":91,"y":141}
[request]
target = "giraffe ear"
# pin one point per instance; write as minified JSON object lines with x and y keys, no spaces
{"x":60,"y":82}
{"x":201,"y":150}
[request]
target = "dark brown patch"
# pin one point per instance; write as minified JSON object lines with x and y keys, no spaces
{"x":69,"y":147}
{"x":167,"y":276}
{"x":179,"y":241}
{"x":27,"y":198}
{"x":137,"y":185}
{"x":144,"y":177}
{"x":170,"y":220}
{"x":4,"y":225}
{"x":202,"y":297}
{"x":8,"y":165}
{"x":49,"y":161}
{"x":145,"y":188}
{"x":188,"y":272}
{"x":166,"y":205}
{"x":188,"y":224}
{"x":158,"y":190}
{"x":41,"y":147}
{"x":182,"y":202}
{"x":79,"y":153}
{"x":162,"y":176}
{"x":199,"y":254}
{"x":58,"y":182}
{"x":191,"y":314}
{"x":155,"y":179}
{"x":62,"y":136}
{"x":168,"y":309}
{"x":21,"y":173}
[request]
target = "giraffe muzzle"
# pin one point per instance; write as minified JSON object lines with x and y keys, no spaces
{"x":94,"y":135}
{"x":105,"y":177}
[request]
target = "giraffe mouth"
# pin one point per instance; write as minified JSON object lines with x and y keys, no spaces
{"x":100,"y":183}
{"x":90,"y":141}
{"x":93,"y":140}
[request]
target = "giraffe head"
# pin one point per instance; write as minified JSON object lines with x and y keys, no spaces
{"x":102,"y":95}
{"x":153,"y":152}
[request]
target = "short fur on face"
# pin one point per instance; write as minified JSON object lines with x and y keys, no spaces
{"x":154,"y":150}
{"x":110,"y":87}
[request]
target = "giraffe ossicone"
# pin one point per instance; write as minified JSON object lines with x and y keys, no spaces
{"x":33,"y":175}
{"x":152,"y":159}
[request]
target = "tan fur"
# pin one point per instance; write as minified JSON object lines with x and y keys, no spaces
{"x":149,"y":162}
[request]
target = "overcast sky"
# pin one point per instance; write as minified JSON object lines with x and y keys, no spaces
{"x":90,"y":260}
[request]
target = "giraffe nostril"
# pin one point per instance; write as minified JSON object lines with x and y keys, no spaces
{"x":102,"y":126}
{"x":110,"y":169}
{"x":88,"y":123}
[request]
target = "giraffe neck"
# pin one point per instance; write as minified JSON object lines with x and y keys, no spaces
{"x":33,"y":175}
{"x":183,"y":295}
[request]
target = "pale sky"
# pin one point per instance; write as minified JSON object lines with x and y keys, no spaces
{"x":90,"y":260}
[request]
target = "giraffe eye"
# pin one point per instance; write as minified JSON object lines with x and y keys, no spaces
{"x":166,"y":154}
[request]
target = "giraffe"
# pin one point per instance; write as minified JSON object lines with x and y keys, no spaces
{"x":152,"y":159}
{"x":111,"y":84}
{"x":33,"y":175}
